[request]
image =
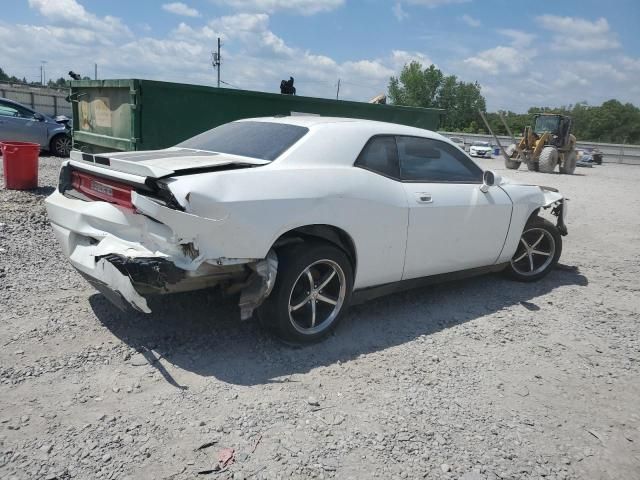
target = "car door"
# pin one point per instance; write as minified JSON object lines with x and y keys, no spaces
{"x":453,"y":225}
{"x":380,"y":225}
{"x":19,"y":124}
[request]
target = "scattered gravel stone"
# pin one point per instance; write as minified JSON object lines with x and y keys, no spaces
{"x":497,"y":379}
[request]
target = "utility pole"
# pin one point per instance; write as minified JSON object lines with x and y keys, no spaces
{"x":216,"y":60}
{"x":95,"y":71}
{"x":43,"y":73}
{"x":338,"y":91}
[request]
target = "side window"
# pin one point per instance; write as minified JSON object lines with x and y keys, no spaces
{"x":7,"y":110}
{"x":380,"y":155}
{"x":428,"y":160}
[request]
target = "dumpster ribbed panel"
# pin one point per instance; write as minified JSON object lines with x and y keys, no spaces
{"x":145,"y":114}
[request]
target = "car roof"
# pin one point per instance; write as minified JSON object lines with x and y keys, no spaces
{"x":13,"y":102}
{"x":8,"y":100}
{"x":303,"y":120}
{"x":372,"y":127}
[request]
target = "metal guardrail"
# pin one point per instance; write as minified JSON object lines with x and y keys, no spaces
{"x":49,"y":101}
{"x":612,"y":152}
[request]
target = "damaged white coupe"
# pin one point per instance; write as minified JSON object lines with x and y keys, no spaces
{"x":301,"y":216}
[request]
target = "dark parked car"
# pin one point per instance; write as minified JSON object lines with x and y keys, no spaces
{"x":21,"y":124}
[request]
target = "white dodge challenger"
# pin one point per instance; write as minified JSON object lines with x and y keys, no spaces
{"x":300,"y":215}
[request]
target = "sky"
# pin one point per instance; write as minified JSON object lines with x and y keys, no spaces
{"x":543,"y":53}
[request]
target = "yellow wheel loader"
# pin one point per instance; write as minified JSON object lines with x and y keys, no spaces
{"x":549,"y":143}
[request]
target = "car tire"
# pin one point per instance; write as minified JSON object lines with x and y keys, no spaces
{"x":541,"y":253}
{"x":569,"y":163}
{"x":548,"y":160}
{"x":299,"y":312}
{"x":60,"y":145}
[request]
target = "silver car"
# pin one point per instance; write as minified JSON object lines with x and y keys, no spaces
{"x":21,"y":124}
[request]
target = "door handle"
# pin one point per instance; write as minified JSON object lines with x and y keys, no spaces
{"x":424,"y":198}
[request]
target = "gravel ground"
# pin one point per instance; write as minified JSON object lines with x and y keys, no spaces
{"x":476,"y":379}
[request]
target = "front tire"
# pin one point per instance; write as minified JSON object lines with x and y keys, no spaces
{"x":548,"y":160}
{"x":312,"y":290}
{"x":61,"y":145}
{"x":538,"y":251}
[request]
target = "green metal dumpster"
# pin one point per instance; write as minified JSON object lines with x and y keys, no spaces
{"x":112,"y":115}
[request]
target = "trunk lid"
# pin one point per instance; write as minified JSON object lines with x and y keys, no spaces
{"x":162,"y":163}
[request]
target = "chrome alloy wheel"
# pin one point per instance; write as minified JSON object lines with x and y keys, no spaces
{"x":62,"y":145}
{"x":535,"y":252}
{"x":317,"y":297}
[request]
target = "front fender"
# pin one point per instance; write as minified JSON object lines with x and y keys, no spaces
{"x":527,"y":201}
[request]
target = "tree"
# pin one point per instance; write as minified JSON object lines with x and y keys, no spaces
{"x":430,"y":88}
{"x":416,"y":87}
{"x":60,"y":82}
{"x":6,"y":78}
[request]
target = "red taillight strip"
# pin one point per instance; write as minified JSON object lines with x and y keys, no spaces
{"x":112,"y":192}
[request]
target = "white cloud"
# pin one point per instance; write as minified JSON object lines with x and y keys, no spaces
{"x":631,"y":64}
{"x":256,"y":56}
{"x":70,"y":12}
{"x":399,"y":12}
{"x":575,"y":34}
{"x":304,"y":7}
{"x":499,"y":60}
{"x":400,"y":58}
{"x":179,"y":8}
{"x":253,"y":57}
{"x":469,"y":20}
{"x":242,"y":23}
{"x":518,"y":38}
{"x":599,"y":70}
{"x":434,"y":3}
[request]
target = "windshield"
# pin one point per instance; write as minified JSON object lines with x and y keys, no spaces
{"x":546,"y":124}
{"x":480,"y":144}
{"x":262,"y":140}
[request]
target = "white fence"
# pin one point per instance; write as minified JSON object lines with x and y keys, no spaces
{"x":49,"y":101}
{"x":612,"y":152}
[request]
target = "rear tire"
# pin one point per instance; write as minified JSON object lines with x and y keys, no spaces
{"x":548,"y":160}
{"x":60,"y":145}
{"x":569,"y":163}
{"x":538,"y":251}
{"x":312,"y":290}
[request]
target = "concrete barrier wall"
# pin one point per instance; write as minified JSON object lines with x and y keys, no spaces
{"x":612,"y":152}
{"x":49,"y":101}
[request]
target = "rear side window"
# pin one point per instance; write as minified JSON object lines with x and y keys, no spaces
{"x":10,"y":110}
{"x":261,"y":140}
{"x":381,"y":156}
{"x":428,"y":160}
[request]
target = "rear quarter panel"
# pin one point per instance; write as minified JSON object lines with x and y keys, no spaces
{"x":254,"y":207}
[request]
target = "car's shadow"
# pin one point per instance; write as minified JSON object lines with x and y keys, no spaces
{"x":200,"y":331}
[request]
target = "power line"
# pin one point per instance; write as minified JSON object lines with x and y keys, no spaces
{"x":234,"y":86}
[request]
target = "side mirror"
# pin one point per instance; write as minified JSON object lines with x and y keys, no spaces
{"x":38,"y":116}
{"x":489,"y":179}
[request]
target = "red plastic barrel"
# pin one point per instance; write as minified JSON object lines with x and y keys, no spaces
{"x":20,"y":165}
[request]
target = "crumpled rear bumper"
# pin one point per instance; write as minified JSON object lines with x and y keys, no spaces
{"x":126,"y":275}
{"x":128,"y":256}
